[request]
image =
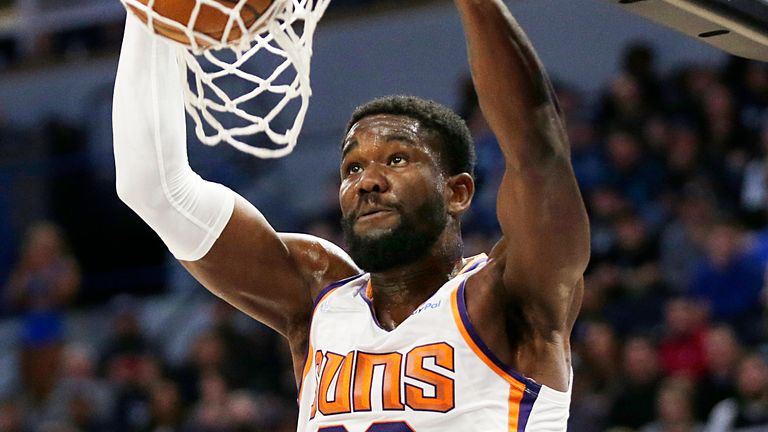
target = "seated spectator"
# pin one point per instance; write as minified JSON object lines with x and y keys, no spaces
{"x":597,"y":368}
{"x":634,"y":405}
{"x":674,"y":407}
{"x":43,"y":283}
{"x":636,"y":301}
{"x":134,"y":381}
{"x":730,"y":281}
{"x":748,"y":410}
{"x":683,"y":240}
{"x":166,"y":408}
{"x":208,"y":355}
{"x":605,"y":204}
{"x":682,"y":350}
{"x":631,"y":171}
{"x":586,"y":155}
{"x":11,"y":418}
{"x":126,"y":344}
{"x":211,"y":411}
{"x":623,"y":103}
{"x":79,"y":399}
{"x":723,"y":353}
{"x":754,"y":189}
{"x":252,"y":351}
{"x":682,"y":157}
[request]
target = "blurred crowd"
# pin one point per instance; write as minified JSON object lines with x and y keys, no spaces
{"x":674,"y":171}
{"x":672,"y":336}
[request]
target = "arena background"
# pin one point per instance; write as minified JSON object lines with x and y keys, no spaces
{"x":100,"y":330}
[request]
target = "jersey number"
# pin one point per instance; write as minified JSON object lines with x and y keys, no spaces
{"x":376,"y":427}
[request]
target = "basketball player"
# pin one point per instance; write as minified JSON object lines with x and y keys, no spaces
{"x":418,"y":337}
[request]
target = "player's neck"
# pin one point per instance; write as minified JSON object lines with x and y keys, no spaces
{"x":398,"y":292}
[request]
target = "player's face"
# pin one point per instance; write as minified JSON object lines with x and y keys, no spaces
{"x":392,"y":192}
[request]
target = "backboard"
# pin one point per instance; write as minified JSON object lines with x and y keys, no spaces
{"x":739,"y":27}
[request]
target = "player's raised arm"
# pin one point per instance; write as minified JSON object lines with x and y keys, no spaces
{"x":540,"y":209}
{"x":220,"y":238}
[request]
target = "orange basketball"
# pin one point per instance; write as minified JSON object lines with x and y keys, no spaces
{"x":210,"y":20}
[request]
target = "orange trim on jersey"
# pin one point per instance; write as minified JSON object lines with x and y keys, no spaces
{"x":472,"y":261}
{"x":515,"y":398}
{"x":310,"y":351}
{"x":476,"y":349}
{"x":516,"y":388}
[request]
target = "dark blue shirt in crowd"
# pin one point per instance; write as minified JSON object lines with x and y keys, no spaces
{"x":732,"y":292}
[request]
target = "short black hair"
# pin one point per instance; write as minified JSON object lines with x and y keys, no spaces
{"x":457,"y":151}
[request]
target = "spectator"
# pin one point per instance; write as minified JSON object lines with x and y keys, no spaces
{"x":211,"y":411}
{"x":135,"y":398}
{"x":208,"y":355}
{"x":683,"y":240}
{"x":596,"y":377}
{"x":11,"y":418}
{"x":42,"y":285}
{"x":252,"y":354}
{"x":605,"y":204}
{"x":682,"y":350}
{"x":754,"y":190}
{"x":639,"y":62}
{"x":166,"y":409}
{"x":631,"y":171}
{"x":674,"y":407}
{"x":637,"y":299}
{"x":623,"y":104}
{"x":729,"y":281}
{"x":80,"y":398}
{"x":748,"y":411}
{"x":586,"y":155}
{"x":683,"y":158}
{"x":634,"y":404}
{"x":752,"y":90}
{"x":723,"y":353}
{"x":126,"y":345}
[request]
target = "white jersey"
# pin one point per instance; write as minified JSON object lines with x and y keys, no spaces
{"x":432,"y":373}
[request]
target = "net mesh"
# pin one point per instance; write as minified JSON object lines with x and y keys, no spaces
{"x":240,"y":87}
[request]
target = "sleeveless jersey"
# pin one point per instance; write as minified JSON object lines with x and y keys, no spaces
{"x":432,"y":373}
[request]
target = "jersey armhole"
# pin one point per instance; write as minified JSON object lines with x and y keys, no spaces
{"x":478,"y":346}
{"x":322,"y":295}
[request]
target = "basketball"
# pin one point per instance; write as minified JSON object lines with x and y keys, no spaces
{"x":210,"y":20}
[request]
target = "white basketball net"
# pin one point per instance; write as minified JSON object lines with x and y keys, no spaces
{"x":240,"y":89}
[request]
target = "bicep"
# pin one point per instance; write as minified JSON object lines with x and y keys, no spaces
{"x":260,"y":272}
{"x":544,"y":222}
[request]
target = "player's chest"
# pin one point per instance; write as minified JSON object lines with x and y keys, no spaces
{"x":357,"y":367}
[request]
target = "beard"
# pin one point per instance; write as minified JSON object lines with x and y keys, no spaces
{"x":410,"y":240}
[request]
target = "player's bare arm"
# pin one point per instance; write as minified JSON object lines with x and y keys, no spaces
{"x":273,"y":277}
{"x":537,"y":268}
{"x":223,"y":240}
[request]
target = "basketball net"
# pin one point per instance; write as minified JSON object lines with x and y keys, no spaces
{"x":228,"y":98}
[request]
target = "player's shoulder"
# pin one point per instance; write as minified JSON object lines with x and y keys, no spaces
{"x":320,"y":261}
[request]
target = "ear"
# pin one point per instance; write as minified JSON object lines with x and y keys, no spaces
{"x":460,"y":189}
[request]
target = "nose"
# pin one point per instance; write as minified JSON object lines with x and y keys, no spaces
{"x":373,"y":180}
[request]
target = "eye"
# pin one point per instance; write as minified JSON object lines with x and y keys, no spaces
{"x":397,"y":160}
{"x":353,"y":168}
